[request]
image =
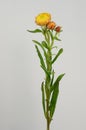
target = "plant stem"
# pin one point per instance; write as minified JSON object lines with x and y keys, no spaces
{"x":48,"y":79}
{"x":48,"y":116}
{"x":47,"y":107}
{"x":48,"y":125}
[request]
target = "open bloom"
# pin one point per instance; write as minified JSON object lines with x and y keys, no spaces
{"x":42,"y":19}
{"x":51,"y":25}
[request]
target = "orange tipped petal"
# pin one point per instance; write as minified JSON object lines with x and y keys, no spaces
{"x":51,"y":25}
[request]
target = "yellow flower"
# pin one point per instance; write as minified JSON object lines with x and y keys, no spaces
{"x":42,"y":19}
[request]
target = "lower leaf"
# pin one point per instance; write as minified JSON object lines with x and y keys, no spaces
{"x":54,"y":100}
{"x":43,"y":97}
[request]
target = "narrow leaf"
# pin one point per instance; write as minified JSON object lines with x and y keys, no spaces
{"x":35,"y":31}
{"x":60,"y":77}
{"x":57,"y":55}
{"x":55,"y":93}
{"x":45,"y":70}
{"x":43,"y":97}
{"x":45,"y":44}
{"x":51,"y":34}
{"x":40,"y":57}
{"x":57,"y":81}
{"x":56,"y":38}
{"x":52,"y":78}
{"x":54,"y":99}
{"x":38,"y":43}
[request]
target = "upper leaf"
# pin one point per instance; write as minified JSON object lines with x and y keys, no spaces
{"x":51,"y":34}
{"x":45,"y":44}
{"x":52,"y":79}
{"x":57,"y":55}
{"x":56,"y":38}
{"x":38,"y":43}
{"x":35,"y":31}
{"x":40,"y":56}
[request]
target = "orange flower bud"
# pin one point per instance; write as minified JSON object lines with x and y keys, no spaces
{"x":51,"y":25}
{"x":58,"y":29}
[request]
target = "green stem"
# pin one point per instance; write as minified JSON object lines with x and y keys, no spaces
{"x":48,"y":77}
{"x":47,"y":104}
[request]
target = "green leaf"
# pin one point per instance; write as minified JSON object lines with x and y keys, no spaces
{"x":60,"y":77}
{"x":42,"y":61}
{"x":45,"y":45}
{"x":45,"y":70}
{"x":38,"y":43}
{"x":43,"y":97}
{"x":54,"y":100}
{"x":52,"y":79}
{"x":51,"y":34}
{"x":56,"y":38}
{"x":57,"y":55}
{"x":57,"y":81}
{"x":40,"y":56}
{"x":35,"y":31}
{"x":55,"y":93}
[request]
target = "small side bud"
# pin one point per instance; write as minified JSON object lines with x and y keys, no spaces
{"x":58,"y":29}
{"x":51,"y":25}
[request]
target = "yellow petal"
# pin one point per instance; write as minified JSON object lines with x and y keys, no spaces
{"x":42,"y":19}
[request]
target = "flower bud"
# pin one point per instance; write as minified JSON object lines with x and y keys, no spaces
{"x":58,"y":29}
{"x":51,"y":25}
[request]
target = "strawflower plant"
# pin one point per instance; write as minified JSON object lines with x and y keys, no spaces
{"x":50,"y":86}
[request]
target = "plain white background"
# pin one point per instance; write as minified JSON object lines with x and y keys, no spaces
{"x":21,"y":75}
